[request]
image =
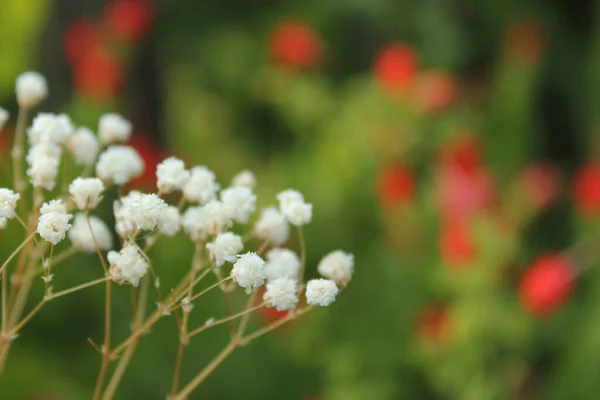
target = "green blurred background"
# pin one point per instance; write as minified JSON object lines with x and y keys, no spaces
{"x":436,"y":139}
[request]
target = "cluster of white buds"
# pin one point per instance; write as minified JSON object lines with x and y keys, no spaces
{"x":53,"y":223}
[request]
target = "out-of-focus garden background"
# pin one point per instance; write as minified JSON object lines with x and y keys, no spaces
{"x":452,"y":146}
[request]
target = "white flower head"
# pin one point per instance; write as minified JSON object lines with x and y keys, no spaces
{"x":171,"y":223}
{"x":321,"y":292}
{"x":53,"y":206}
{"x":225,"y":248}
{"x":244,"y":178}
{"x":293,"y":207}
{"x":240,"y":202}
{"x":248,"y":271}
{"x":337,"y":266}
{"x":193,"y":223}
{"x":215,"y":218}
{"x":51,"y":128}
{"x":127,"y":265}
{"x":125,"y":226}
{"x":86,"y":192}
{"x":82,"y":238}
{"x":8,"y":203}
{"x":171,"y":175}
{"x":148,"y":211}
{"x":119,"y":164}
{"x":282,"y":294}
{"x":113,"y":128}
{"x":201,"y":187}
{"x":42,"y":172}
{"x":31,"y":88}
{"x":288,"y":197}
{"x":282,"y":263}
{"x":53,"y":226}
{"x":3,"y":117}
{"x":272,"y":227}
{"x":84,"y":146}
{"x":41,"y":150}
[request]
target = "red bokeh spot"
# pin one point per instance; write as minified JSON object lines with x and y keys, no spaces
{"x":129,"y":20}
{"x":526,"y":40}
{"x":433,"y":323}
{"x":395,"y":185}
{"x":395,"y":67}
{"x":542,"y":185}
{"x":295,"y":44}
{"x":464,"y":153}
{"x":78,"y":38}
{"x":435,"y":91}
{"x":456,"y":244}
{"x":547,"y":284}
{"x":98,"y":73}
{"x":586,"y":189}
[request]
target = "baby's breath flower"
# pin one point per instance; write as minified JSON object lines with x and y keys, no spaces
{"x":288,"y":197}
{"x":215,"y":218}
{"x":82,"y":238}
{"x":147,"y":211}
{"x":86,"y":192}
{"x":51,"y":128}
{"x":240,"y":202}
{"x":172,"y":223}
{"x":282,"y":294}
{"x":53,"y":226}
{"x":201,"y":187}
{"x":321,"y":292}
{"x":125,"y":226}
{"x":171,"y":175}
{"x":127,"y":265}
{"x":248,"y":271}
{"x":53,"y":206}
{"x":41,"y":150}
{"x":3,"y":117}
{"x":272,"y":227}
{"x":193,"y":223}
{"x":31,"y":88}
{"x":113,"y":128}
{"x":244,"y":178}
{"x":84,"y":146}
{"x":337,"y":266}
{"x":282,"y":263}
{"x":225,"y":248}
{"x":42,"y":172}
{"x":293,"y":207}
{"x":119,"y":164}
{"x":8,"y":203}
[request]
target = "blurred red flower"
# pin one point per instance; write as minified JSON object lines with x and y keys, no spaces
{"x":395,"y":185}
{"x":464,"y":153}
{"x":78,"y":38}
{"x":98,"y":73}
{"x":395,"y":67}
{"x":541,"y":183}
{"x":435,"y":91}
{"x":295,"y":44}
{"x":456,"y":244}
{"x":129,"y":20}
{"x":152,"y":155}
{"x":526,"y":40}
{"x":586,"y":189}
{"x":433,"y":323}
{"x":547,"y":284}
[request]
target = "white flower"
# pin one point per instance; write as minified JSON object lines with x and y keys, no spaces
{"x":86,"y":192}
{"x":8,"y":203}
{"x":41,"y":150}
{"x":337,"y":266}
{"x":53,"y":206}
{"x":84,"y":146}
{"x":147,"y":211}
{"x":215,"y":218}
{"x":31,"y":88}
{"x":82,"y":238}
{"x":42,"y":172}
{"x":225,"y":248}
{"x":244,"y":178}
{"x":272,"y":227}
{"x":119,"y":164}
{"x":248,"y":271}
{"x":282,"y":263}
{"x":171,"y":175}
{"x":51,"y":128}
{"x":282,"y":294}
{"x":321,"y":292}
{"x":125,"y":226}
{"x":193,"y":223}
{"x":53,"y":226}
{"x":240,"y":202}
{"x":293,"y":207}
{"x":113,"y":128}
{"x":3,"y":117}
{"x":201,"y":186}
{"x":172,"y":222}
{"x":127,"y":265}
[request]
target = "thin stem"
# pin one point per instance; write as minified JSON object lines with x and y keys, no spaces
{"x":208,"y":289}
{"x":176,"y":374}
{"x":4,"y":311}
{"x":17,"y":250}
{"x":17,"y":152}
{"x":27,"y":318}
{"x":98,"y":251}
{"x":106,"y":346}
{"x":76,"y":288}
{"x":246,"y":317}
{"x":223,"y":320}
{"x":274,"y":325}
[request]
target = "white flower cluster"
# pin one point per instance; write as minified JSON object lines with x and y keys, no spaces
{"x":53,"y":223}
{"x":127,"y":265}
{"x":8,"y":203}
